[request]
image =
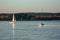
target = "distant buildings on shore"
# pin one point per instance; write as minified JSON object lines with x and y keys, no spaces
{"x":30,"y":16}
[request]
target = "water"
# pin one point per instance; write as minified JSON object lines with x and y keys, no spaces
{"x":29,"y":30}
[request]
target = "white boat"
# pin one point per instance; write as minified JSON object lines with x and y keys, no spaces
{"x":13,"y":21}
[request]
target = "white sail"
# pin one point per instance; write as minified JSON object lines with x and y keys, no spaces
{"x":13,"y":21}
{"x":13,"y":18}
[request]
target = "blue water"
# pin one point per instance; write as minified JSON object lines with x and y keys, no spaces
{"x":29,"y":30}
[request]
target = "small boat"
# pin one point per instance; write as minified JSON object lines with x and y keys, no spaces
{"x":40,"y":24}
{"x":13,"y":19}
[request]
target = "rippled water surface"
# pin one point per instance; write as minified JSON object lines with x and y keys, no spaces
{"x":30,"y":30}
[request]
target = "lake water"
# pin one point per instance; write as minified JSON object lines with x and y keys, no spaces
{"x":29,"y":30}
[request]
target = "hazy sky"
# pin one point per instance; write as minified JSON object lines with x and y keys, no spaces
{"x":29,"y":6}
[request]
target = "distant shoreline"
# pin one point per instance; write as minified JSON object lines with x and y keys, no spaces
{"x":29,"y":16}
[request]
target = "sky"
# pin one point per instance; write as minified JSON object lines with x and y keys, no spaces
{"x":15,"y":6}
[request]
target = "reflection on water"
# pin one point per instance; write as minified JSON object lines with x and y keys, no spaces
{"x":13,"y":25}
{"x":29,"y":30}
{"x":13,"y":34}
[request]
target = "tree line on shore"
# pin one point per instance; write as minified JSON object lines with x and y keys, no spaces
{"x":29,"y":16}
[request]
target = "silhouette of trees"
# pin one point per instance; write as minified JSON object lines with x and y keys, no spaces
{"x":30,"y":16}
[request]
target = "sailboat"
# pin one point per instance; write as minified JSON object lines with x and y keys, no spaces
{"x":13,"y":21}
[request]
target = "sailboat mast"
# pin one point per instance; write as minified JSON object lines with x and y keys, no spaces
{"x":13,"y":17}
